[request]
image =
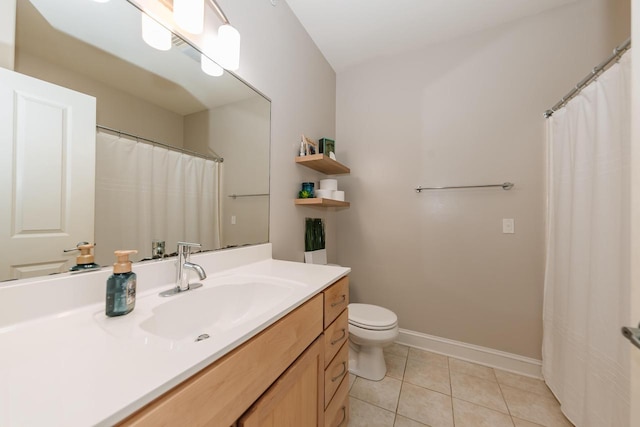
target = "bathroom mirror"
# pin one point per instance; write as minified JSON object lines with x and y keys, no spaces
{"x":144,"y":95}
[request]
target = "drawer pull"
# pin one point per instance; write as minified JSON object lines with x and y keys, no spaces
{"x":341,"y":374}
{"x":344,"y":416}
{"x":343,"y":299}
{"x":344,"y":334}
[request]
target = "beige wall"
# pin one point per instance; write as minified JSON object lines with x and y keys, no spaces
{"x":239,"y":133}
{"x":115,"y":109}
{"x":280,"y":60}
{"x":464,"y":112}
{"x":7,"y":33}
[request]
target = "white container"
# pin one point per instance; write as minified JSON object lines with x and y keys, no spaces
{"x":316,"y":257}
{"x":338,"y":195}
{"x":329,"y":184}
{"x":324,"y":194}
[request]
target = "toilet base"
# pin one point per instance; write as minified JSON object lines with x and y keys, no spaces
{"x":367,"y":361}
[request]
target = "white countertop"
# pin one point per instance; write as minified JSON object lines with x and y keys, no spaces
{"x":79,"y":368}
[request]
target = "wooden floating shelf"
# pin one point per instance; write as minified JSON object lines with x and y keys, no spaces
{"x":329,"y":203}
{"x":322,"y":163}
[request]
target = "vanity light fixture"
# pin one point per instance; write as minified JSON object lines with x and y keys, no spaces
{"x":229,"y":47}
{"x":189,"y":15}
{"x":210,"y":48}
{"x":154,"y":34}
{"x":224,"y":48}
{"x":209,"y":67}
{"x":227,"y":50}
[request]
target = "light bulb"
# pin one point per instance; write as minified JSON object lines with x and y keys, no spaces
{"x":154,"y":34}
{"x":210,"y":67}
{"x":189,"y":15}
{"x":228,"y":47}
{"x":101,"y":1}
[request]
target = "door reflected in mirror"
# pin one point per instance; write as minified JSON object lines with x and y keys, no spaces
{"x":180,"y":155}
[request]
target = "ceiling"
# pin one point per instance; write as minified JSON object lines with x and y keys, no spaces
{"x":348,"y":32}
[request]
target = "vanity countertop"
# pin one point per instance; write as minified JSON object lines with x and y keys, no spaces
{"x":79,"y":367}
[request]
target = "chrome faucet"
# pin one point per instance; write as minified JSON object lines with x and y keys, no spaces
{"x":183,"y":267}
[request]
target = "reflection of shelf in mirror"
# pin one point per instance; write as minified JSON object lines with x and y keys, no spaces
{"x":322,"y":163}
{"x":329,"y":203}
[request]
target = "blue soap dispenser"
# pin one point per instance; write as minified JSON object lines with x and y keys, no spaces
{"x":121,"y":286}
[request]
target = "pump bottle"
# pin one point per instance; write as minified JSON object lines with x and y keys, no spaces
{"x":121,"y":286}
{"x":85,"y":261}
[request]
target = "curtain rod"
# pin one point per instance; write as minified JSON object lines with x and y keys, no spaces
{"x":599,"y":69}
{"x":161,"y":144}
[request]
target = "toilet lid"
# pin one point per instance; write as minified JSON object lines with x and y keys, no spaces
{"x":372,"y":316}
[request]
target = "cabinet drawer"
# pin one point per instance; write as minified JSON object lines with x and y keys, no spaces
{"x":337,"y":413}
{"x":336,"y":298}
{"x":337,"y":370}
{"x":335,"y":335}
{"x":222,"y":392}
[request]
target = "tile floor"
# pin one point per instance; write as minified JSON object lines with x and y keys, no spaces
{"x":427,"y":389}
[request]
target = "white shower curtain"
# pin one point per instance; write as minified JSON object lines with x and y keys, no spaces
{"x":146,"y":193}
{"x":585,"y":358}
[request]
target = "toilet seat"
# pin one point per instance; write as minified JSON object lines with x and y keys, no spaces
{"x":372,"y":317}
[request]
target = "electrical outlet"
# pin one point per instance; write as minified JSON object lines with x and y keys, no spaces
{"x":233,"y":220}
{"x":508,"y":226}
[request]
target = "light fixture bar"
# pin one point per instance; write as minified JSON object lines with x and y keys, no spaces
{"x":219,"y":11}
{"x":189,"y":15}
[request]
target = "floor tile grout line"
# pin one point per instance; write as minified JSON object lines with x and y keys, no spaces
{"x":505,"y":401}
{"x":475,"y":375}
{"x":526,"y":390}
{"x":427,"y":388}
{"x":483,"y":406}
{"x":413,"y":419}
{"x":513,"y":423}
{"x":453,"y":413}
{"x":373,"y":404}
{"x":401,"y":384}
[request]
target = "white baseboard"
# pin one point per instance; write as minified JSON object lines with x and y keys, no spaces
{"x":472,"y":353}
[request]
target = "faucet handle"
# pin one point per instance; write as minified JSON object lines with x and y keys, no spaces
{"x":185,"y":247}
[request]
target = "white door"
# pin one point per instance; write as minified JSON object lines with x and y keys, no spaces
{"x":47,"y":168}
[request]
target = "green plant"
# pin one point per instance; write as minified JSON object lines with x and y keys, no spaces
{"x":314,"y":234}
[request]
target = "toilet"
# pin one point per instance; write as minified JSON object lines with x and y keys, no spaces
{"x":370,"y":329}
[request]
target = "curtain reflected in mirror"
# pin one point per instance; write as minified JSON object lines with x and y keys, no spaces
{"x":138,"y":201}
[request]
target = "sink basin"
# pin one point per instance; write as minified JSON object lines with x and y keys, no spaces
{"x":225,"y":309}
{"x":209,"y":310}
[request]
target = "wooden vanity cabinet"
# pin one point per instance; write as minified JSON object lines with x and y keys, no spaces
{"x":278,"y":378}
{"x":297,"y":396}
{"x":336,"y":352}
{"x":292,"y":400}
{"x":220,"y":393}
